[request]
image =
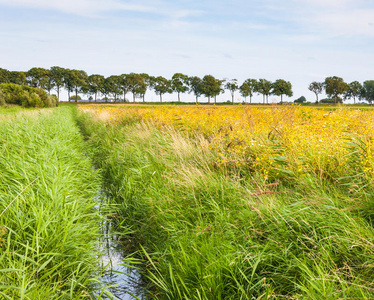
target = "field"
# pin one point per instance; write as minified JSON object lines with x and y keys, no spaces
{"x":241,"y":202}
{"x":209,"y":202}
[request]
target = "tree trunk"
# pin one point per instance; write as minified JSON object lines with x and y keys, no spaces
{"x":250,"y":99}
{"x":317,"y":98}
{"x":263,"y":98}
{"x":160,"y":97}
{"x":58,"y":94}
{"x":115,"y":98}
{"x":215,"y":99}
{"x":281,"y":99}
{"x":208,"y":100}
{"x":179,"y":99}
{"x":133,"y":97}
{"x":197,"y":100}
{"x":76,"y":95}
{"x":143,"y":97}
{"x":232,"y":98}
{"x":68,"y":95}
{"x":95,"y":96}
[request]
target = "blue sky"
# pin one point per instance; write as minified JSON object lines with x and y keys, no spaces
{"x":297,"y":40}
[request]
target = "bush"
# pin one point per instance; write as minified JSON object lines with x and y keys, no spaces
{"x":26,"y":96}
{"x":2,"y":99}
{"x":73,"y":97}
{"x":326,"y":100}
{"x":302,"y":99}
{"x":331,"y":101}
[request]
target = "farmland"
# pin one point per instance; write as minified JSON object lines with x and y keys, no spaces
{"x":239,"y":202}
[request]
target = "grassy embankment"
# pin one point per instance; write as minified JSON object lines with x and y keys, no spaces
{"x":48,"y":223}
{"x":301,"y":229}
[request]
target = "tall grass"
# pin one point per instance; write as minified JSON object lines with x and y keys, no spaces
{"x":48,"y":236}
{"x":208,"y":233}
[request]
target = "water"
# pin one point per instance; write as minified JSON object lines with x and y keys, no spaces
{"x":120,"y":280}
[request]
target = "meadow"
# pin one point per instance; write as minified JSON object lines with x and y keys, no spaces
{"x":210,"y":202}
{"x":241,"y":202}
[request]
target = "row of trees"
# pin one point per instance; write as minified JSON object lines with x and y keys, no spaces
{"x":77,"y":82}
{"x":337,"y":89}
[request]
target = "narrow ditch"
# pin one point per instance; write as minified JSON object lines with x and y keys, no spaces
{"x":121,"y":280}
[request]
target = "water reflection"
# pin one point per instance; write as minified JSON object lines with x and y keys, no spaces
{"x":121,"y":279}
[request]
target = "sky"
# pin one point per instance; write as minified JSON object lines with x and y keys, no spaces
{"x":296,"y":40}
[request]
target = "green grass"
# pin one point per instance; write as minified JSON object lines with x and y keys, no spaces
{"x":48,"y":236}
{"x":209,"y":234}
{"x":12,"y":109}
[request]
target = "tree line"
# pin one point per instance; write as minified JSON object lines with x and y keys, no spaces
{"x":338,"y":90}
{"x":115,"y":86}
{"x":118,"y":86}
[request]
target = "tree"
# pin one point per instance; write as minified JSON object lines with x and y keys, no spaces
{"x":179,"y":84}
{"x":17,"y":77}
{"x":78,"y":81}
{"x":68,"y":81}
{"x":4,"y":75}
{"x":57,"y":77}
{"x":142,"y":88}
{"x":114,"y":85}
{"x":95,"y":83}
{"x":368,"y":91}
{"x":194,"y":83}
{"x":252,"y":87}
{"x":161,"y":86}
{"x":354,"y":90}
{"x":232,"y":86}
{"x":302,"y":99}
{"x":47,"y":83}
{"x":245,"y":90}
{"x":210,"y":86}
{"x":105,"y":88}
{"x":335,"y":86}
{"x":36,"y":77}
{"x":264,"y":87}
{"x":316,"y":88}
{"x":125,"y":84}
{"x":217,"y":89}
{"x":282,"y":87}
{"x":134,"y":82}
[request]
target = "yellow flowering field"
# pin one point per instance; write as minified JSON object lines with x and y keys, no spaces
{"x":273,"y":141}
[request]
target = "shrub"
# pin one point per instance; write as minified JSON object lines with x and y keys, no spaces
{"x":302,"y":99}
{"x":73,"y":97}
{"x":326,"y":100}
{"x":2,"y":99}
{"x":26,"y":96}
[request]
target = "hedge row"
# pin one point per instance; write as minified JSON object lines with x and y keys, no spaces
{"x":26,"y":96}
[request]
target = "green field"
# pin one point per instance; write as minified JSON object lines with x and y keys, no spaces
{"x":198,"y":231}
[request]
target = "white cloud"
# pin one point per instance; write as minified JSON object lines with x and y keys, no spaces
{"x":79,"y":7}
{"x":352,"y":22}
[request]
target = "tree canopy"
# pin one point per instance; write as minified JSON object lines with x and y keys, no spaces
{"x":179,"y":84}
{"x":282,"y":87}
{"x":316,"y":88}
{"x":335,"y":86}
{"x":232,"y":86}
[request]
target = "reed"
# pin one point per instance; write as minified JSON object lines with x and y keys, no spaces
{"x":49,"y":231}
